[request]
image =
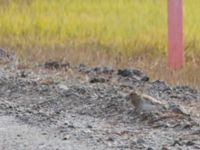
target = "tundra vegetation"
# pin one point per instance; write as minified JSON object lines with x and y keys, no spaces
{"x":119,"y":33}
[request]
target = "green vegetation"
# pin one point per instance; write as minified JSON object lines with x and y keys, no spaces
{"x":95,"y":31}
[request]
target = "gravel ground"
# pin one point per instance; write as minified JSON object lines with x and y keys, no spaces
{"x":63,"y":107}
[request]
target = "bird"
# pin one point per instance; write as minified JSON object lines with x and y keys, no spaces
{"x":144,"y":103}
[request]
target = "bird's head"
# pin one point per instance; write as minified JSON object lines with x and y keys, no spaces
{"x":133,"y":96}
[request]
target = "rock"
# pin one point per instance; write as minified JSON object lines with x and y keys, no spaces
{"x":190,"y":143}
{"x":108,"y":70}
{"x":89,"y":126}
{"x":145,"y":79}
{"x":165,"y":148}
{"x":160,"y":86}
{"x":71,"y":126}
{"x":134,"y":73}
{"x":140,"y":141}
{"x":98,"y":80}
{"x":56,"y":65}
{"x":96,"y":70}
{"x":125,"y":73}
{"x":66,"y":137}
{"x":149,"y":148}
{"x":185,"y":93}
{"x":63,"y":87}
{"x":177,"y":142}
{"x":196,"y":147}
{"x":23,"y":74}
{"x":110,"y":139}
{"x":44,"y":133}
{"x":83,"y":68}
{"x":52,"y":65}
{"x":185,"y":89}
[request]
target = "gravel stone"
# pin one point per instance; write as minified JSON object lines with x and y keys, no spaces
{"x":75,"y":113}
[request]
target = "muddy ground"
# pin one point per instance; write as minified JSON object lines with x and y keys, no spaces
{"x":61,"y":107}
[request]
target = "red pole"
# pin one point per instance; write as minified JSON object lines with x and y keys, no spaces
{"x":175,"y":34}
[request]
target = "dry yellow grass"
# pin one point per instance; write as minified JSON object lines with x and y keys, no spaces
{"x":119,"y":33}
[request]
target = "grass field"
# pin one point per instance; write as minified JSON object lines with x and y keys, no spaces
{"x":106,"y":32}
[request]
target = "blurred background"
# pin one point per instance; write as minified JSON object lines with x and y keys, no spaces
{"x":118,"y":33}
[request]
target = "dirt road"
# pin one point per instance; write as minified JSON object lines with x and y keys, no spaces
{"x":86,"y":108}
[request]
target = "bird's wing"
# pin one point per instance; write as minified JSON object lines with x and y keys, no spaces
{"x":152,"y":99}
